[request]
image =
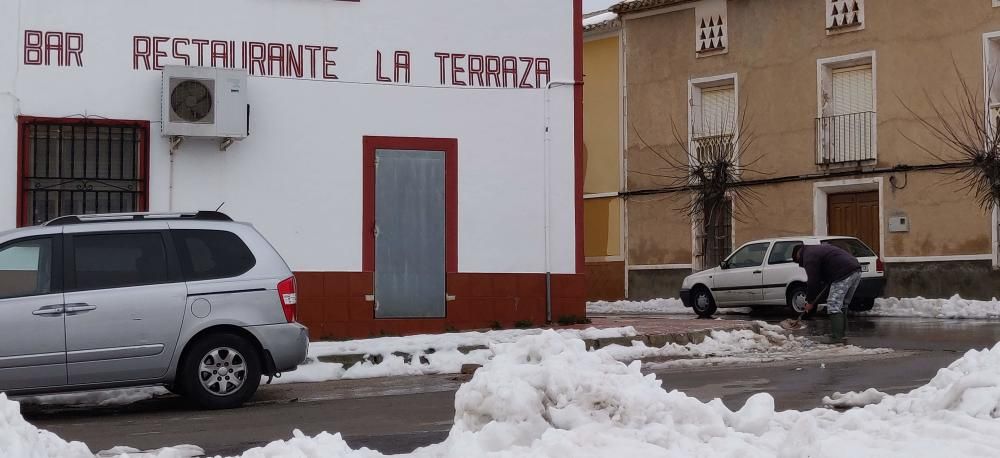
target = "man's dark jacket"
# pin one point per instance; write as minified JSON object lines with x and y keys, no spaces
{"x":826,"y":264}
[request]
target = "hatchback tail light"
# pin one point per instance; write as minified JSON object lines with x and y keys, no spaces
{"x":289,"y":299}
{"x":879,"y":265}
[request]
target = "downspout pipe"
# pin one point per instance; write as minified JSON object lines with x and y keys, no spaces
{"x":547,"y":191}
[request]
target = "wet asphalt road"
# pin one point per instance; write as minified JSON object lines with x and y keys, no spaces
{"x":396,"y":415}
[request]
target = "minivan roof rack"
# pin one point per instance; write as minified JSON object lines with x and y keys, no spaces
{"x":119,"y":217}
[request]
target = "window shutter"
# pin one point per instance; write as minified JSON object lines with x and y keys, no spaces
{"x":852,"y":90}
{"x":718,"y":111}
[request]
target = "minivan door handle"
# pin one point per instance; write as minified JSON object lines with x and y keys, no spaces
{"x":79,"y":308}
{"x":50,"y":310}
{"x":757,"y":272}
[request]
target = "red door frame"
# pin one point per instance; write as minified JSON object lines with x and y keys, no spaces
{"x":449,"y":146}
{"x":22,"y":153}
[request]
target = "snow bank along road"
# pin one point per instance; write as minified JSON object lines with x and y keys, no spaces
{"x":951,"y":308}
{"x":399,"y":414}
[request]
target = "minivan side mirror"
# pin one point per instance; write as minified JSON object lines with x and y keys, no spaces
{"x":724,"y":265}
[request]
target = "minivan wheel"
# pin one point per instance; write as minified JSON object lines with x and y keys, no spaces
{"x":703,"y":303}
{"x":221,"y":371}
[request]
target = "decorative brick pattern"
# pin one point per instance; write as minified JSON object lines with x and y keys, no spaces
{"x":712,"y":34}
{"x":844,"y":14}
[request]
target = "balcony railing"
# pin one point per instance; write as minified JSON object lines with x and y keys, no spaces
{"x":845,"y":138}
{"x":712,"y":148}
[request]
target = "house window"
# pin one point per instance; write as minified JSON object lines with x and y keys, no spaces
{"x":713,"y":117}
{"x":70,"y":166}
{"x":844,"y":15}
{"x":845,"y":128}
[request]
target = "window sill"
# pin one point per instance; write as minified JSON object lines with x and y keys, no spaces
{"x":844,"y":29}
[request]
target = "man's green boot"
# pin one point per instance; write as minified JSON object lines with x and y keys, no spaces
{"x":838,"y":328}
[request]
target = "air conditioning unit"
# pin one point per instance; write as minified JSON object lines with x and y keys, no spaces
{"x":205,"y":102}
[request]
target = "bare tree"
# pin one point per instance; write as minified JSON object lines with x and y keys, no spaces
{"x":970,"y":133}
{"x":710,"y":169}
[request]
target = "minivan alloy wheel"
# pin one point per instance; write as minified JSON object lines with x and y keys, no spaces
{"x":222,"y":371}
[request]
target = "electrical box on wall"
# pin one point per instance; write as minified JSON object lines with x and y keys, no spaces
{"x":899,"y":223}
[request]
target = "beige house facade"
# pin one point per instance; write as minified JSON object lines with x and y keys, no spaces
{"x":828,"y":95}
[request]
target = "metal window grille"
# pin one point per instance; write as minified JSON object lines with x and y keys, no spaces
{"x":81,"y":168}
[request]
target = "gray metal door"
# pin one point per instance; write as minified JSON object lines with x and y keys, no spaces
{"x":409,"y":234}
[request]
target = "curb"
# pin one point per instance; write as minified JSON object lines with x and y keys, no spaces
{"x":650,"y":340}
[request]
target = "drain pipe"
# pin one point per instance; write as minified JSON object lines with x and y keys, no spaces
{"x":547,"y":192}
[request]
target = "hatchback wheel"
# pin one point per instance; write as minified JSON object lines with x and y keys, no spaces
{"x":797,"y":298}
{"x":703,"y":303}
{"x":221,"y":371}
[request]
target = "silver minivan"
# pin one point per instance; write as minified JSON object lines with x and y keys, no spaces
{"x":192,"y":301}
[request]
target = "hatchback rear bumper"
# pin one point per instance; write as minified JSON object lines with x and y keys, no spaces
{"x":870,"y":288}
{"x":686,"y":297}
{"x":287,"y":343}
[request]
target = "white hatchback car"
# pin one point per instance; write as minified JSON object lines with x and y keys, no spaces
{"x":762,"y":273}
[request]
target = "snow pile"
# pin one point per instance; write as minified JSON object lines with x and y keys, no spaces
{"x":655,"y":306}
{"x":956,"y":307}
{"x":770,"y":344}
{"x":547,"y":396}
{"x":103,"y":398}
{"x":661,"y":306}
{"x":19,"y":439}
{"x":854,"y":399}
{"x":421,"y":354}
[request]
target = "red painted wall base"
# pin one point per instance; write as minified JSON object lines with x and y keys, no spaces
{"x":333,"y":305}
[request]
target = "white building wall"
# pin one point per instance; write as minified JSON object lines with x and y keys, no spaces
{"x":298,"y":177}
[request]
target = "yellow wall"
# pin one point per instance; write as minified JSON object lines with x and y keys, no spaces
{"x":602,"y":136}
{"x":602,"y":227}
{"x":601,"y":115}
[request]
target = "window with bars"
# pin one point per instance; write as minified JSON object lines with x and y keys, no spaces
{"x":717,"y":233}
{"x":70,"y":167}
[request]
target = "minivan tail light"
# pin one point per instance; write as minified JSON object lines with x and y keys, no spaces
{"x":879,"y":265}
{"x":289,"y":298}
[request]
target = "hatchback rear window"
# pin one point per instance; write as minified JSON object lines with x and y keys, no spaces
{"x":853,"y":246}
{"x":207,"y":255}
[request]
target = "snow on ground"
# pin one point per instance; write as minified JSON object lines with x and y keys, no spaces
{"x":955,"y":307}
{"x":547,"y":396}
{"x":656,"y":306}
{"x":98,"y":398}
{"x":20,"y":439}
{"x":737,"y":347}
{"x":854,"y":399}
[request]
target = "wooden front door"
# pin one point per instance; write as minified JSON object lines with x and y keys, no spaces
{"x":855,"y":215}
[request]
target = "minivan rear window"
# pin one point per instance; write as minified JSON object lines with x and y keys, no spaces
{"x":853,"y":246}
{"x":209,"y":254}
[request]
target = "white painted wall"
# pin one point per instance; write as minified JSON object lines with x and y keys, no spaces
{"x":298,"y":178}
